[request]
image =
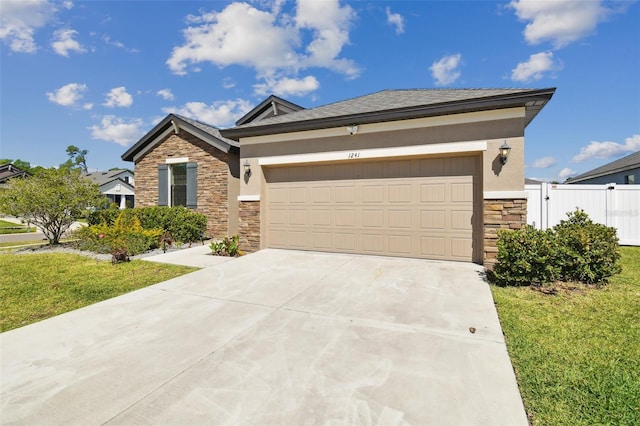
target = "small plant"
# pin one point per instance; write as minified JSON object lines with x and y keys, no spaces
{"x":229,"y":246}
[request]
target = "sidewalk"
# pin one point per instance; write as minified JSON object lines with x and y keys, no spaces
{"x":198,"y":256}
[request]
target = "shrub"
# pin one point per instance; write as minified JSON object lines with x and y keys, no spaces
{"x":577,"y":249}
{"x":126,"y":235}
{"x":227,"y":247}
{"x":526,"y":256}
{"x":181,"y":224}
{"x":588,"y":251}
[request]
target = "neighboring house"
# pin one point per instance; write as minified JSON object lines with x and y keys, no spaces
{"x":625,"y":170}
{"x":117,"y":185}
{"x":411,"y":173}
{"x":528,"y":181}
{"x":9,"y":171}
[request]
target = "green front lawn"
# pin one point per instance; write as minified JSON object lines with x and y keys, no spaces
{"x":577,"y":353}
{"x":34,"y":287}
{"x":14,"y":228}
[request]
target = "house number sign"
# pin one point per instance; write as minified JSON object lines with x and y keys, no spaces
{"x":354,"y":155}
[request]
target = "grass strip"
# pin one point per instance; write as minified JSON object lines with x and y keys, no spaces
{"x":576,"y":353}
{"x":34,"y":287}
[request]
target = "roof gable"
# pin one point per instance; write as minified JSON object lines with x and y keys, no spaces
{"x":629,"y":162}
{"x":101,"y":178}
{"x":172,"y":123}
{"x":271,"y":107}
{"x":391,"y":105}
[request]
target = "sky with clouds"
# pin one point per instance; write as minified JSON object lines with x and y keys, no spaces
{"x":101,"y":74}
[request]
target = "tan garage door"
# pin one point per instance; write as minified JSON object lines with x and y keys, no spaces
{"x":410,"y":208}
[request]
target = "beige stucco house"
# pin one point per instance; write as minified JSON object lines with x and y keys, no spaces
{"x":411,"y":173}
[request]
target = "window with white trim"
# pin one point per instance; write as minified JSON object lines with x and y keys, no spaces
{"x":177,"y":184}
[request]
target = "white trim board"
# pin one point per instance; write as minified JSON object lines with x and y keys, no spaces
{"x":248,"y":198}
{"x":437,"y":148}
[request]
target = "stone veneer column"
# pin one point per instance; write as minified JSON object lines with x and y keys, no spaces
{"x":249,"y":226}
{"x":500,"y":214}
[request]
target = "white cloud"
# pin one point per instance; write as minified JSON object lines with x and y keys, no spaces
{"x":330,"y":24}
{"x":608,"y":149}
{"x":165,"y":94}
{"x":445,"y":71}
{"x":219,"y":114}
{"x":87,"y":106}
{"x":67,"y":4}
{"x":228,"y":83}
{"x":118,"y":97}
{"x":566,"y":172}
{"x":19,"y":20}
{"x":67,"y":95}
{"x":63,"y":42}
{"x":268,"y":41}
{"x":396,"y":20}
{"x":535,"y":67}
{"x":115,"y":129}
{"x":287,"y":86}
{"x":118,"y":44}
{"x":559,"y":21}
{"x":544,"y":163}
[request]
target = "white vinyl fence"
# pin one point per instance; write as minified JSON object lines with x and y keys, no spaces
{"x":612,"y":205}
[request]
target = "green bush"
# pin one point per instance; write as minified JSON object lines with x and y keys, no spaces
{"x":227,"y":247}
{"x":126,"y":235}
{"x":577,"y":249}
{"x":526,"y":256}
{"x":588,"y":251}
{"x":180,"y":223}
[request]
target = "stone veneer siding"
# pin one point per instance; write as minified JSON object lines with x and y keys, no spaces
{"x":501,"y":214}
{"x":249,"y":226}
{"x":212,"y":178}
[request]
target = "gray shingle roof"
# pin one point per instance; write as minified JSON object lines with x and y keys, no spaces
{"x":401,"y":104}
{"x":631,"y":161}
{"x":101,"y":178}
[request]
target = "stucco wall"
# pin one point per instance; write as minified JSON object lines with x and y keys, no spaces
{"x":213,"y":178}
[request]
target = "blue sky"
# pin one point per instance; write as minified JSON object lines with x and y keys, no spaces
{"x":100,"y":74}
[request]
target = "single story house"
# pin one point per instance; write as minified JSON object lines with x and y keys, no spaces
{"x":117,"y":185}
{"x":412,"y":173}
{"x":624,"y":171}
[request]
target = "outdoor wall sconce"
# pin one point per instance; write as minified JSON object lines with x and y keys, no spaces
{"x":353,"y":129}
{"x":504,"y":152}
{"x":247,"y":168}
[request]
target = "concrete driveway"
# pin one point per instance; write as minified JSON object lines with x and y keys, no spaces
{"x":273,"y":338}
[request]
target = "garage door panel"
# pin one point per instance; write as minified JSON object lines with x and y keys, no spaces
{"x":373,"y":218}
{"x":373,"y":243}
{"x":297,"y":217}
{"x":432,"y":192}
{"x":400,"y":219}
{"x":345,"y":217}
{"x":400,"y":193}
{"x":321,"y":194}
{"x":409,"y":208}
{"x":373,"y":193}
{"x":433,"y":219}
{"x":321,"y":217}
{"x":461,"y":220}
{"x":322,"y":240}
{"x":345,"y":241}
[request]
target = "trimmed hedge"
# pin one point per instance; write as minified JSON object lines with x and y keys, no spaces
{"x":181,"y":224}
{"x":577,"y":249}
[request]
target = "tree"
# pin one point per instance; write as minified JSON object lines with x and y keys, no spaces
{"x":52,"y":200}
{"x":77,"y":158}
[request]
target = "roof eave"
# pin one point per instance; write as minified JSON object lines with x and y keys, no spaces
{"x":534,"y":101}
{"x":166,"y":123}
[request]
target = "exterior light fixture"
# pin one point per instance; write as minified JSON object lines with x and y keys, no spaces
{"x":504,"y":152}
{"x":247,"y":168}
{"x":353,"y":129}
